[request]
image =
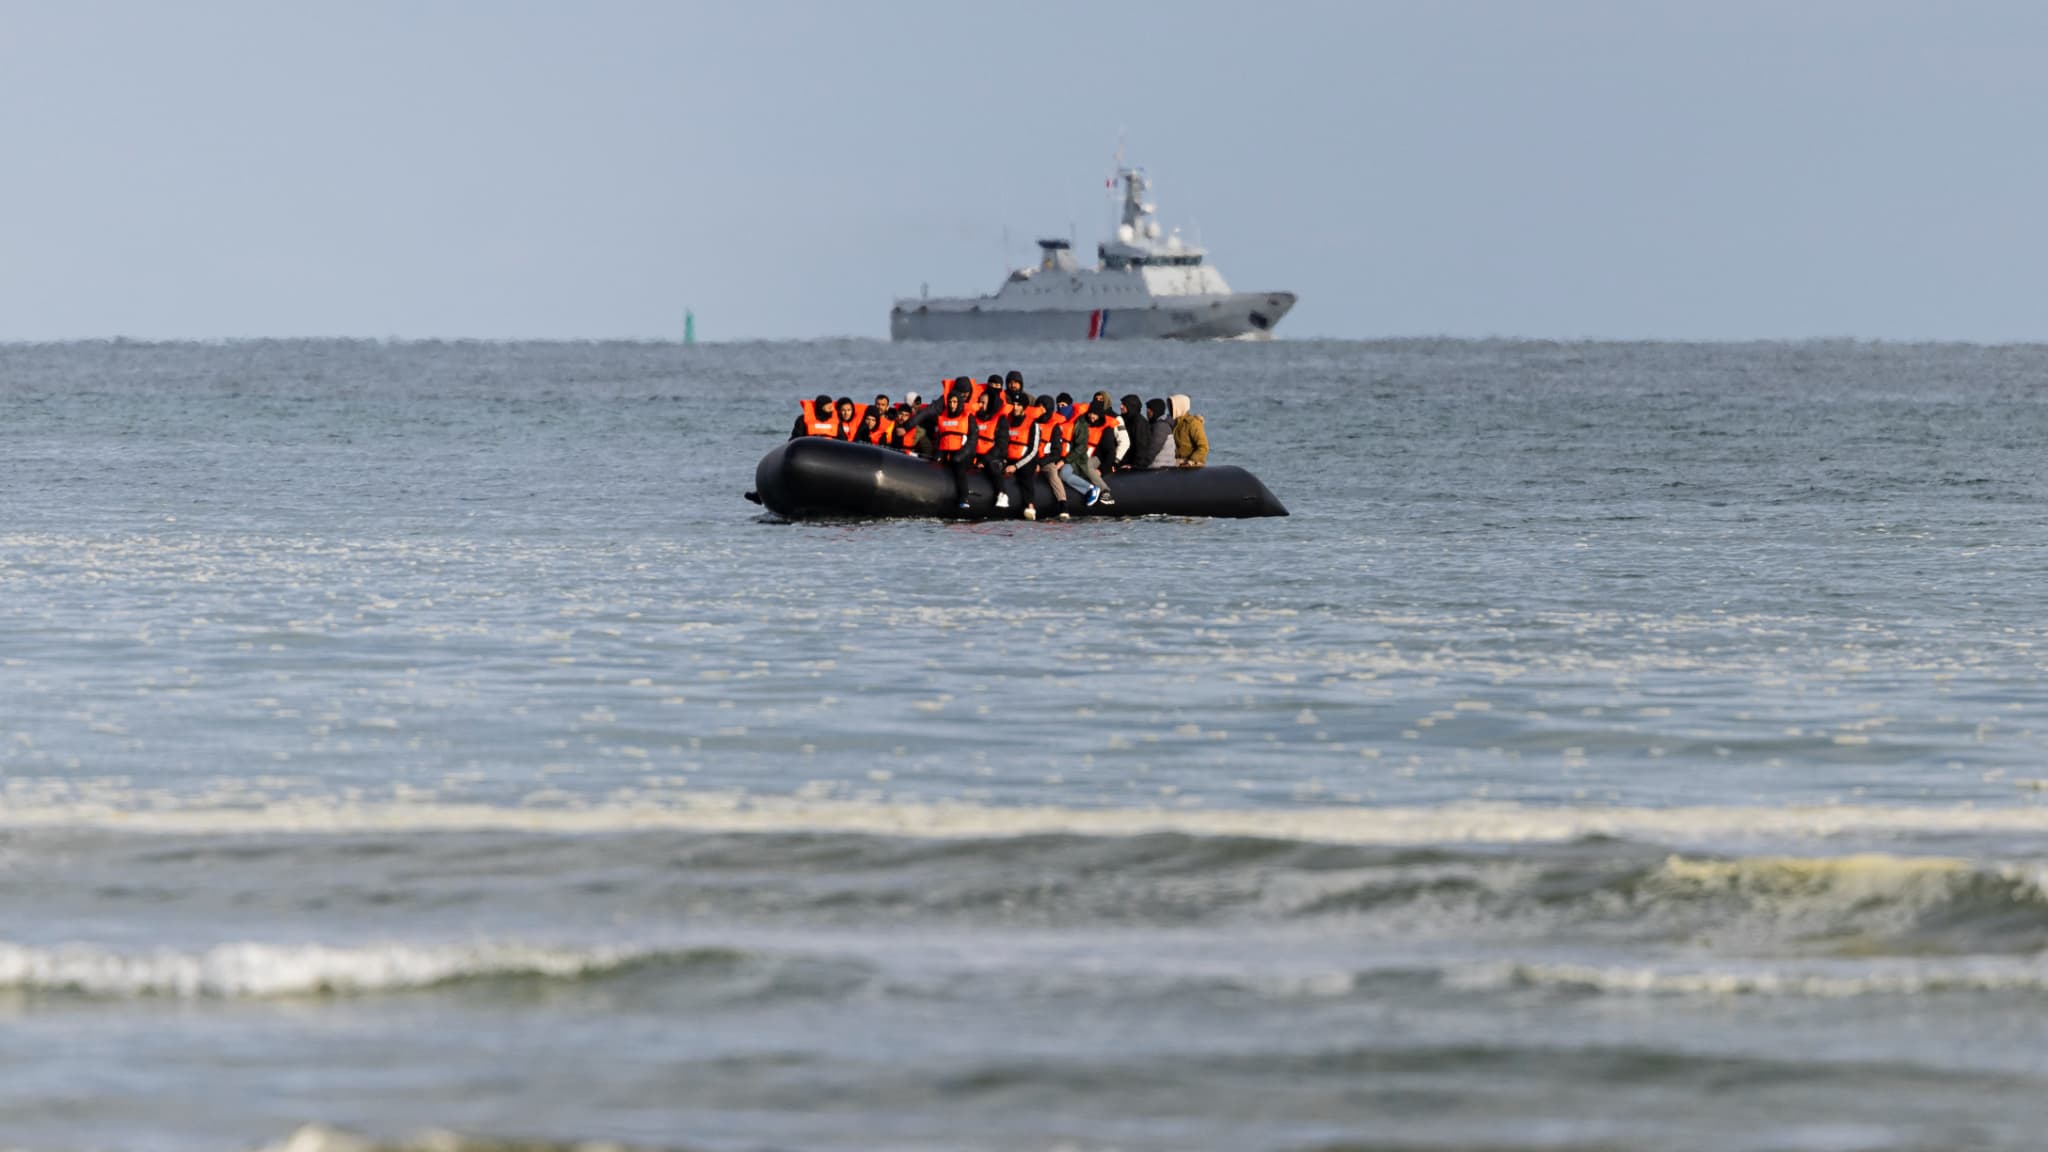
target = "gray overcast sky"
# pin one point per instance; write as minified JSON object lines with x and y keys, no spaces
{"x":509,"y":169}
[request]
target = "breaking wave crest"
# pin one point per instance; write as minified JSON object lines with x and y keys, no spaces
{"x":1866,"y":905}
{"x":322,"y":1138}
{"x":1685,"y":925}
{"x":258,"y":971}
{"x":1895,"y":978}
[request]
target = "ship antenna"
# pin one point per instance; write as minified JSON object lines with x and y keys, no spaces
{"x":1116,"y":170}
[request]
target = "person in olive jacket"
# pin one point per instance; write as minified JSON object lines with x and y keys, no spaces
{"x":1081,"y":470}
{"x":1190,"y":439}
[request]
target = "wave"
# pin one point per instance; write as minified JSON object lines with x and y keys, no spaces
{"x":258,"y":972}
{"x":322,"y":1138}
{"x":1861,"y":904}
{"x":247,"y":970}
{"x":1909,"y":978}
{"x":732,"y":812}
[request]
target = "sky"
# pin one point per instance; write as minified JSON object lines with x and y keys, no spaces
{"x":497,"y":169}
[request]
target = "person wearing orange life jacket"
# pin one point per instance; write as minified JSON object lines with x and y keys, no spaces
{"x":992,"y":443}
{"x":1012,"y":445}
{"x":871,"y":430}
{"x":953,"y":440}
{"x":1050,"y":431}
{"x":1091,"y":431}
{"x":849,"y":416}
{"x":1115,"y":441}
{"x":970,"y":392}
{"x":987,"y":415}
{"x":886,"y":410}
{"x":904,"y":434}
{"x":816,"y":418}
{"x":1015,"y":396}
{"x":988,"y":425}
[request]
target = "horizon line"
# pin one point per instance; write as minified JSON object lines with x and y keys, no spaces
{"x":14,"y":342}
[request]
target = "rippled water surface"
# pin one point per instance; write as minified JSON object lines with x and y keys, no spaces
{"x":1619,"y":746}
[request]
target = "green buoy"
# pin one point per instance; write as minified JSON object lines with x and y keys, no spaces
{"x":689,"y":326}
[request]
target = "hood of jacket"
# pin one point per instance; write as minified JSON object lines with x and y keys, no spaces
{"x":1177,"y":405}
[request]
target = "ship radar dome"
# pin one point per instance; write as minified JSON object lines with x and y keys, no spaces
{"x":1126,"y":233}
{"x":1152,"y":229}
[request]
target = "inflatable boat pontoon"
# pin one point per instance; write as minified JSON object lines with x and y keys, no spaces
{"x":812,"y":478}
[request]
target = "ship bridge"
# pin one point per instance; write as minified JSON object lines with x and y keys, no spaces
{"x":1169,"y":265}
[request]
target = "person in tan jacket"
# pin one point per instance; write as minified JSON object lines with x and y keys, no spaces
{"x":1190,"y":439}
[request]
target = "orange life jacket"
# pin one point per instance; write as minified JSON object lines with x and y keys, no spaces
{"x":972,"y":401}
{"x":953,"y":430}
{"x":904,"y":435}
{"x":1052,"y":436}
{"x":816,"y":424}
{"x":849,"y":428}
{"x":1095,"y":431}
{"x":1020,"y":436}
{"x":985,"y":433}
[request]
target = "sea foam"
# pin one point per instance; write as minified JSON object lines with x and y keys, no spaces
{"x":245,"y":970}
{"x":734,"y":812}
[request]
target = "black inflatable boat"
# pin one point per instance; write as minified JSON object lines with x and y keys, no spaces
{"x":813,"y":478}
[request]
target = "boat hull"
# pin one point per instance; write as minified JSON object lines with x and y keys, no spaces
{"x":813,"y":478}
{"x":1239,"y":315}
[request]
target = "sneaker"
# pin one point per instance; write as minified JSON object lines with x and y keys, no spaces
{"x":1030,"y":513}
{"x":1002,"y":499}
{"x":1065,"y":516}
{"x":1094,"y":494}
{"x":963,"y":505}
{"x":1107,"y":500}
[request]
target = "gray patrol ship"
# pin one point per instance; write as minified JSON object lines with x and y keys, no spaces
{"x":1143,"y":287}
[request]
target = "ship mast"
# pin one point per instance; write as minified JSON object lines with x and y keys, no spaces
{"x":1135,"y":208}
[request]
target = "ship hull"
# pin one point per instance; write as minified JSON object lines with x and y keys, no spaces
{"x":1240,"y":315}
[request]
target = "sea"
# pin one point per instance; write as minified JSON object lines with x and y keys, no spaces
{"x":1621,"y":746}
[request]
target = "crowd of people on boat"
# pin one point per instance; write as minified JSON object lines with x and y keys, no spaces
{"x":996,"y":427}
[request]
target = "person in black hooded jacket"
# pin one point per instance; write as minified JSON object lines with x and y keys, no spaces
{"x":1139,"y":429}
